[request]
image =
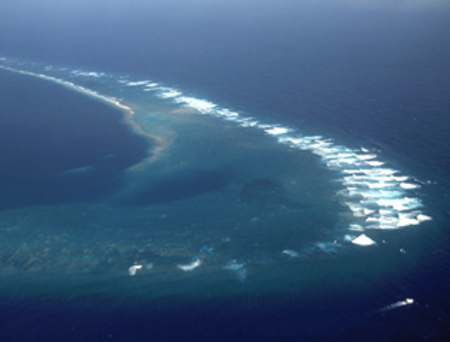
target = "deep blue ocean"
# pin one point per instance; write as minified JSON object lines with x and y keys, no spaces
{"x":224,"y":171}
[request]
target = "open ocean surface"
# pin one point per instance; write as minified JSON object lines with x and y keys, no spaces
{"x":227,"y":171}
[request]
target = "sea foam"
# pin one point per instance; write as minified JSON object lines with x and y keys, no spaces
{"x":377,"y":196}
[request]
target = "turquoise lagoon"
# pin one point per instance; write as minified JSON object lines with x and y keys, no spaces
{"x":223,"y":202}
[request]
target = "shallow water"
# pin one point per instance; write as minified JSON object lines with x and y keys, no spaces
{"x":222,"y":204}
{"x":192,"y":227}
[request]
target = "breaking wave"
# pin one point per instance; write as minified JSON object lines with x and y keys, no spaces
{"x":378,"y":197}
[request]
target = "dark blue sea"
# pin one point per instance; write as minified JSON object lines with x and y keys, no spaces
{"x":224,"y":171}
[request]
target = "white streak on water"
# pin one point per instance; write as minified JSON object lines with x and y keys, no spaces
{"x":291,"y":253}
{"x":190,"y":267}
{"x":409,"y":186}
{"x":277,"y":130}
{"x":363,"y":240}
{"x":407,"y":301}
{"x":133,"y":269}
